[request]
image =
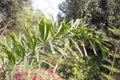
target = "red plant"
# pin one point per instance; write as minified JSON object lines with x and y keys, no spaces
{"x":21,"y":74}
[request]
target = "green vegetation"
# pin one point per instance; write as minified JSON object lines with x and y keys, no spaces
{"x":15,"y":13}
{"x":80,"y":46}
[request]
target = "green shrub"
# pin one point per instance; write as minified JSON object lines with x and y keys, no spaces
{"x":77,"y":50}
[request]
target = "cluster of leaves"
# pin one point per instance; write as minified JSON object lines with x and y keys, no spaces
{"x":101,"y":14}
{"x":83,"y":69}
{"x":26,"y":48}
{"x":75,"y":42}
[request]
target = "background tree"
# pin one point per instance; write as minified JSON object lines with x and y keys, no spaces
{"x":101,"y":13}
{"x":9,"y":8}
{"x":73,"y":9}
{"x":27,"y":14}
{"x":114,"y":13}
{"x":15,"y":13}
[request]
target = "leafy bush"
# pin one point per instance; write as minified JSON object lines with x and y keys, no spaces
{"x":73,"y":50}
{"x":80,"y":69}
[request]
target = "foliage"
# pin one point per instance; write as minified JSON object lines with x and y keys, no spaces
{"x":9,"y":9}
{"x":27,"y":14}
{"x":80,"y":69}
{"x":72,"y":9}
{"x":115,"y":33}
{"x":101,"y":13}
{"x":47,"y":43}
{"x":15,"y":13}
{"x":84,"y":49}
{"x":28,"y":46}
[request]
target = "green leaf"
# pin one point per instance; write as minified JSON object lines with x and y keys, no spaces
{"x":44,"y":29}
{"x":42,"y":25}
{"x":27,"y":29}
{"x":52,"y":48}
{"x":107,"y":76}
{"x":47,"y":29}
{"x":37,"y":55}
{"x":111,"y":68}
{"x":64,"y":54}
{"x":76,"y":45}
{"x":93,"y":47}
{"x":62,"y":29}
{"x":20,"y":51}
{"x":33,"y":42}
{"x":26,"y":63}
{"x":53,"y":29}
{"x":18,"y":46}
{"x":10,"y":56}
{"x":75,"y":25}
{"x":85,"y":51}
{"x":13,"y":72}
{"x":72,"y":52}
{"x":16,"y":41}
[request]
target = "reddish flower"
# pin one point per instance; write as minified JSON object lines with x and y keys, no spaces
{"x":35,"y":78}
{"x":18,"y":78}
